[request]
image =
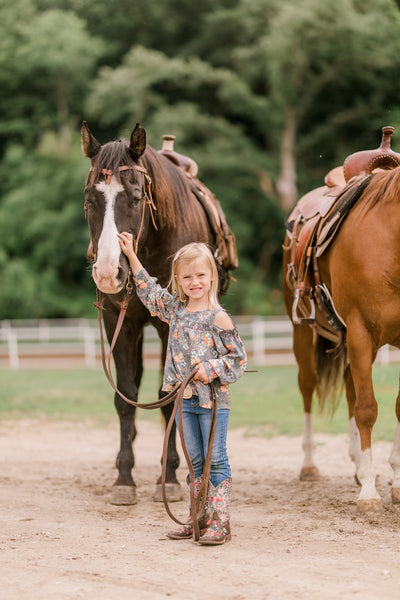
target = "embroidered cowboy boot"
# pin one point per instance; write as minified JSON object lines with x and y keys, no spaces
{"x":185,"y":532}
{"x":219,"y":530}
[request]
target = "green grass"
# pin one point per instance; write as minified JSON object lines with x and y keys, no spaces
{"x":264,"y":403}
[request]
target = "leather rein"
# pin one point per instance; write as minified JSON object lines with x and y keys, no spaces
{"x":196,"y":504}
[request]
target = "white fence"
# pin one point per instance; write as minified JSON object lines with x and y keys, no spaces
{"x":52,"y":343}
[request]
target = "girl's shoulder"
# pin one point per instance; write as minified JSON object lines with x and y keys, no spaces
{"x":222,"y":320}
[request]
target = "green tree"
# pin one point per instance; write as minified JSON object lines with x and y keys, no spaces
{"x":332,"y":75}
{"x":14,"y":102}
{"x":43,"y":232}
{"x":170,"y":26}
{"x":46,"y":63}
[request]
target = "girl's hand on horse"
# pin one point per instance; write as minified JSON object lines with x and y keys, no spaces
{"x":201,"y":374}
{"x":125,"y":240}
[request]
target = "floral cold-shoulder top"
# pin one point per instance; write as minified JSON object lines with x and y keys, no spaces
{"x":193,"y":338}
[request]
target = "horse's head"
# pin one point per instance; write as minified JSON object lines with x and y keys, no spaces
{"x":116,"y":192}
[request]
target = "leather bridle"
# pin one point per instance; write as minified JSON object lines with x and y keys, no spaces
{"x":147,"y":196}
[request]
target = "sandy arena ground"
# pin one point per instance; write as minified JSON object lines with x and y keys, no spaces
{"x":61,"y":538}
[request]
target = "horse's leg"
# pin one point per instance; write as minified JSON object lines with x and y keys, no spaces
{"x":127,"y":357}
{"x":303,"y":348}
{"x":173,"y":490}
{"x":354,"y":434}
{"x":395,"y":457}
{"x":360,"y":352}
{"x":129,"y":374}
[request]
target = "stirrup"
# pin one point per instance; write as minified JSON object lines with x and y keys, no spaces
{"x":302,"y":320}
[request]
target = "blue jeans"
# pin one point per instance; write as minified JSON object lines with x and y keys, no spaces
{"x":196,"y":430}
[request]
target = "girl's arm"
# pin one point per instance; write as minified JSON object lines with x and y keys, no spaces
{"x":155,"y":298}
{"x":223,"y":321}
{"x":231,"y":362}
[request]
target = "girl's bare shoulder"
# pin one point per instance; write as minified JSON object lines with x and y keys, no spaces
{"x":223,"y":320}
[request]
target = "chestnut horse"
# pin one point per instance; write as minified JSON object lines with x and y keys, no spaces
{"x":132,"y":187}
{"x":361,"y":270}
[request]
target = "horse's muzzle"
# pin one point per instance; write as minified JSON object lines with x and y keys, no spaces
{"x":110,"y":279}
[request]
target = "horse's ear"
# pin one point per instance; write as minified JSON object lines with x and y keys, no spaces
{"x":138,"y":142}
{"x":90,"y":146}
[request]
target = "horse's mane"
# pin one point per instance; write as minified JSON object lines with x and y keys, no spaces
{"x":171,"y":191}
{"x":170,"y":188}
{"x":382,"y":184}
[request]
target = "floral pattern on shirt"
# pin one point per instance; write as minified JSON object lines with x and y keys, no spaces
{"x":193,"y":338}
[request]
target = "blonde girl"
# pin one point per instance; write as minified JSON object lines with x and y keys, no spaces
{"x":202,"y":336}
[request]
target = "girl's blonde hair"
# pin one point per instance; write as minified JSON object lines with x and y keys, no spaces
{"x":186,"y":255}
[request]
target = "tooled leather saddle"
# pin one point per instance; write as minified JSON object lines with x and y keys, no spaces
{"x":313,"y":223}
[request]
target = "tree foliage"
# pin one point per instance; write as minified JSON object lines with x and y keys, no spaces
{"x":265,"y":95}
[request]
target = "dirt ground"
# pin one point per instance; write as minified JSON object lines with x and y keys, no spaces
{"x":60,"y":537}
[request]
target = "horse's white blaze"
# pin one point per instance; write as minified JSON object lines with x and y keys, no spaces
{"x":105,"y":270}
{"x":395,"y":458}
{"x":366,"y":476}
{"x":355,"y":442}
{"x":308,"y":441}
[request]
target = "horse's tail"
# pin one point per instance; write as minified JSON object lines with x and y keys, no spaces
{"x":330,"y":364}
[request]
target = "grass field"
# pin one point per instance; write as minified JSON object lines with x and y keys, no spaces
{"x":265,"y":403}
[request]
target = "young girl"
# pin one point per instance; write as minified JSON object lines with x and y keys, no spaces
{"x":202,"y":336}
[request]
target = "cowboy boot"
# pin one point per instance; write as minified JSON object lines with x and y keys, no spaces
{"x":219,"y":530}
{"x":185,"y":531}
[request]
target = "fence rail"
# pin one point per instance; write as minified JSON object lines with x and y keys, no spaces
{"x":49,"y":343}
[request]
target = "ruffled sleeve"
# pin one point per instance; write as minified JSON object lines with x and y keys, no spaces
{"x":231,"y":360}
{"x":155,"y":298}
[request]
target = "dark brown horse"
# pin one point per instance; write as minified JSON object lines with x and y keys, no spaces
{"x":360,"y":271}
{"x":132,"y":187}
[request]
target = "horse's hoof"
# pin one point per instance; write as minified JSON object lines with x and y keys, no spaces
{"x":309,"y":474}
{"x":123,"y":494}
{"x":173,"y":492}
{"x":368,"y":506}
{"x":396,"y":495}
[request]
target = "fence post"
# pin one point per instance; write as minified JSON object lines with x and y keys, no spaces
{"x":258,"y":330}
{"x":90,"y":346}
{"x":384,"y":355}
{"x":13,"y":355}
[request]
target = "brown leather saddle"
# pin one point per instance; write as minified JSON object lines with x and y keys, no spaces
{"x":226,"y":252}
{"x":313,"y":223}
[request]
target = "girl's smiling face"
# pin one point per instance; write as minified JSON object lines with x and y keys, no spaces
{"x":195,"y":280}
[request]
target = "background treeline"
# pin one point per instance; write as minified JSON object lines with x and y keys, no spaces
{"x":265,"y":95}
